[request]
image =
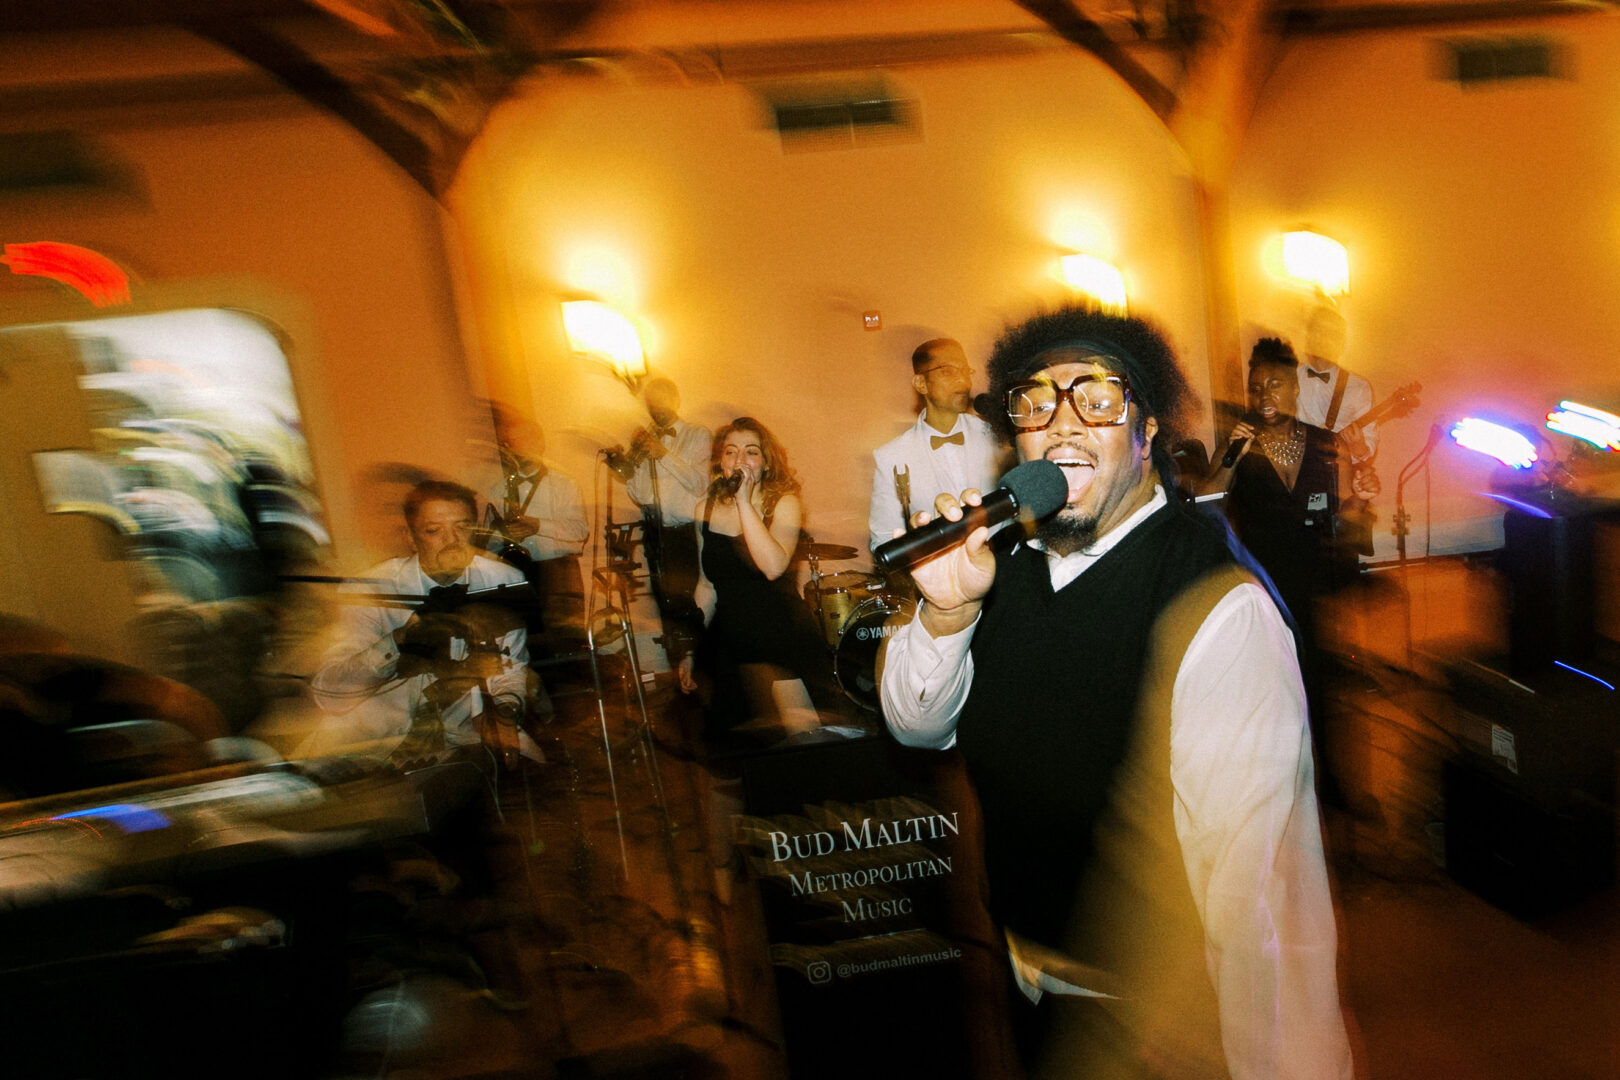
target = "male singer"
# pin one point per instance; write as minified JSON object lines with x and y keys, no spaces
{"x":1128,"y":703}
{"x":671,"y":473}
{"x":947,"y":450}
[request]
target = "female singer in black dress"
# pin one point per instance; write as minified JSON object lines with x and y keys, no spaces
{"x":759,"y":645}
{"x":1289,"y":486}
{"x":1285,"y":496}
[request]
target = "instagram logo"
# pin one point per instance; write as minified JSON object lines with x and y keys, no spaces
{"x":818,"y":972}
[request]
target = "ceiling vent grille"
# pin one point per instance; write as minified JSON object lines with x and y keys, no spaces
{"x":1475,"y":61}
{"x":841,"y":116}
{"x":59,"y":161}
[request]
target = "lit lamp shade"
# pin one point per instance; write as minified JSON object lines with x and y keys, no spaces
{"x":1099,"y":280}
{"x":1316,"y":260}
{"x":598,"y":331}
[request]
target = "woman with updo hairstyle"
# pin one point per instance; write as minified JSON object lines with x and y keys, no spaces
{"x":1285,"y":495}
{"x":760,"y":652}
{"x":1289,"y":485}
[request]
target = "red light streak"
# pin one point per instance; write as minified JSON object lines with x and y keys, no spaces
{"x":96,"y":277}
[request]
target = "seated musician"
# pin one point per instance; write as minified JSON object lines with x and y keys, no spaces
{"x":539,"y":510}
{"x":415,"y":679}
{"x":764,"y":660}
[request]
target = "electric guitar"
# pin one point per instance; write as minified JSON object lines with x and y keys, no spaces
{"x":1396,"y":405}
{"x":1353,"y":529}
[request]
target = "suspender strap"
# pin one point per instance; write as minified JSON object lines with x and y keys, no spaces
{"x":1339,"y":382}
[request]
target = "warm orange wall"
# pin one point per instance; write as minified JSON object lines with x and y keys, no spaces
{"x":292,"y":204}
{"x":749,"y":267}
{"x":1483,"y":227}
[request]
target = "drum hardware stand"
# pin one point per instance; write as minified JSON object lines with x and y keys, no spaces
{"x":815,"y":587}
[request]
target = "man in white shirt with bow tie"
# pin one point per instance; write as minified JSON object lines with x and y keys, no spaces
{"x":538,"y":508}
{"x":1320,"y":378}
{"x":947,"y":450}
{"x":671,"y":475}
{"x":417,"y":679}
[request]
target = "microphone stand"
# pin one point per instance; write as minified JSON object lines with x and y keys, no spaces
{"x":1402,"y":521}
{"x":615,"y":577}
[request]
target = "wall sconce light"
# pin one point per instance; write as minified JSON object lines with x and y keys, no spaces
{"x":1317,"y":261}
{"x":597,"y":331}
{"x":1601,"y":429}
{"x":1099,"y":280}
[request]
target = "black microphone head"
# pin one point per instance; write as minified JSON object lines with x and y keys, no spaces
{"x":1039,"y":486}
{"x":984,"y":405}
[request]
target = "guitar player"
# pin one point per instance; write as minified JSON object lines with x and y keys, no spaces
{"x":1334,"y":398}
{"x":1331,"y":396}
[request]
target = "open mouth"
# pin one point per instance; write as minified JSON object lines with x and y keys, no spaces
{"x":1078,"y":472}
{"x":1268,"y":411}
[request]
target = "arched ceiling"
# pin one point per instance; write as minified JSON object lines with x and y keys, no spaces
{"x":418,"y":77}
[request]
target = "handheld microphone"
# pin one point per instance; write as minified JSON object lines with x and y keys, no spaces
{"x":1235,"y":449}
{"x":1036,"y":488}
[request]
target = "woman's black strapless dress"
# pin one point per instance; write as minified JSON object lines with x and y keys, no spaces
{"x":756,"y":621}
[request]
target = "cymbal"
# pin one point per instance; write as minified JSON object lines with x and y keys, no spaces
{"x":835,"y":552}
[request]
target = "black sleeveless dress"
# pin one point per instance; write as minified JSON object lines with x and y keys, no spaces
{"x":1291,"y":533}
{"x":756,"y":621}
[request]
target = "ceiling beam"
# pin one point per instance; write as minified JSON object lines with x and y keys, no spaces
{"x":319,"y":85}
{"x":1066,"y":19}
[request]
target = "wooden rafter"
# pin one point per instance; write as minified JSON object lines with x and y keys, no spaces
{"x":1070,"y":23}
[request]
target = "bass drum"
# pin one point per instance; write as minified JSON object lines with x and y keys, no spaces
{"x":840,"y":595}
{"x":855,"y":661}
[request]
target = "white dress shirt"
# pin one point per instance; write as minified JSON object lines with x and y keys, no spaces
{"x":683,"y":473}
{"x":358,"y":680}
{"x":557,"y":509}
{"x":1245,"y":814}
{"x":1315,"y":395}
{"x":951,"y":469}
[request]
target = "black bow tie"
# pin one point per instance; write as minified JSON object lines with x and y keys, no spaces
{"x":937,"y":441}
{"x":1323,"y":375}
{"x":660,"y":432}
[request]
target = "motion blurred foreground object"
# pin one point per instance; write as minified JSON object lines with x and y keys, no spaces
{"x":223,"y":921}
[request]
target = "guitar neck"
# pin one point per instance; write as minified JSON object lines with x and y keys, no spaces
{"x":1398,"y":403}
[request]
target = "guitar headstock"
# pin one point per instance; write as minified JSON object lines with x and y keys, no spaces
{"x":1402,"y":401}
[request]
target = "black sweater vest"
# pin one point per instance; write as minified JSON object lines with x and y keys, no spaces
{"x":1054,"y":702}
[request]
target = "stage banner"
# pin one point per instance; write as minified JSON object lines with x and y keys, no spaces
{"x":866,"y":863}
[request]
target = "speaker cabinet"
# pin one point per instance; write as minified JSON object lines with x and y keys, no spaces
{"x":1530,"y":797}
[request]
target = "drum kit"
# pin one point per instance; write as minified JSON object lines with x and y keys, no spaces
{"x":856,"y":611}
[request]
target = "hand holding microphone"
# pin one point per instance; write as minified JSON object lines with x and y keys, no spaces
{"x":1035,"y":488}
{"x":948,"y":556}
{"x":1242,"y":435}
